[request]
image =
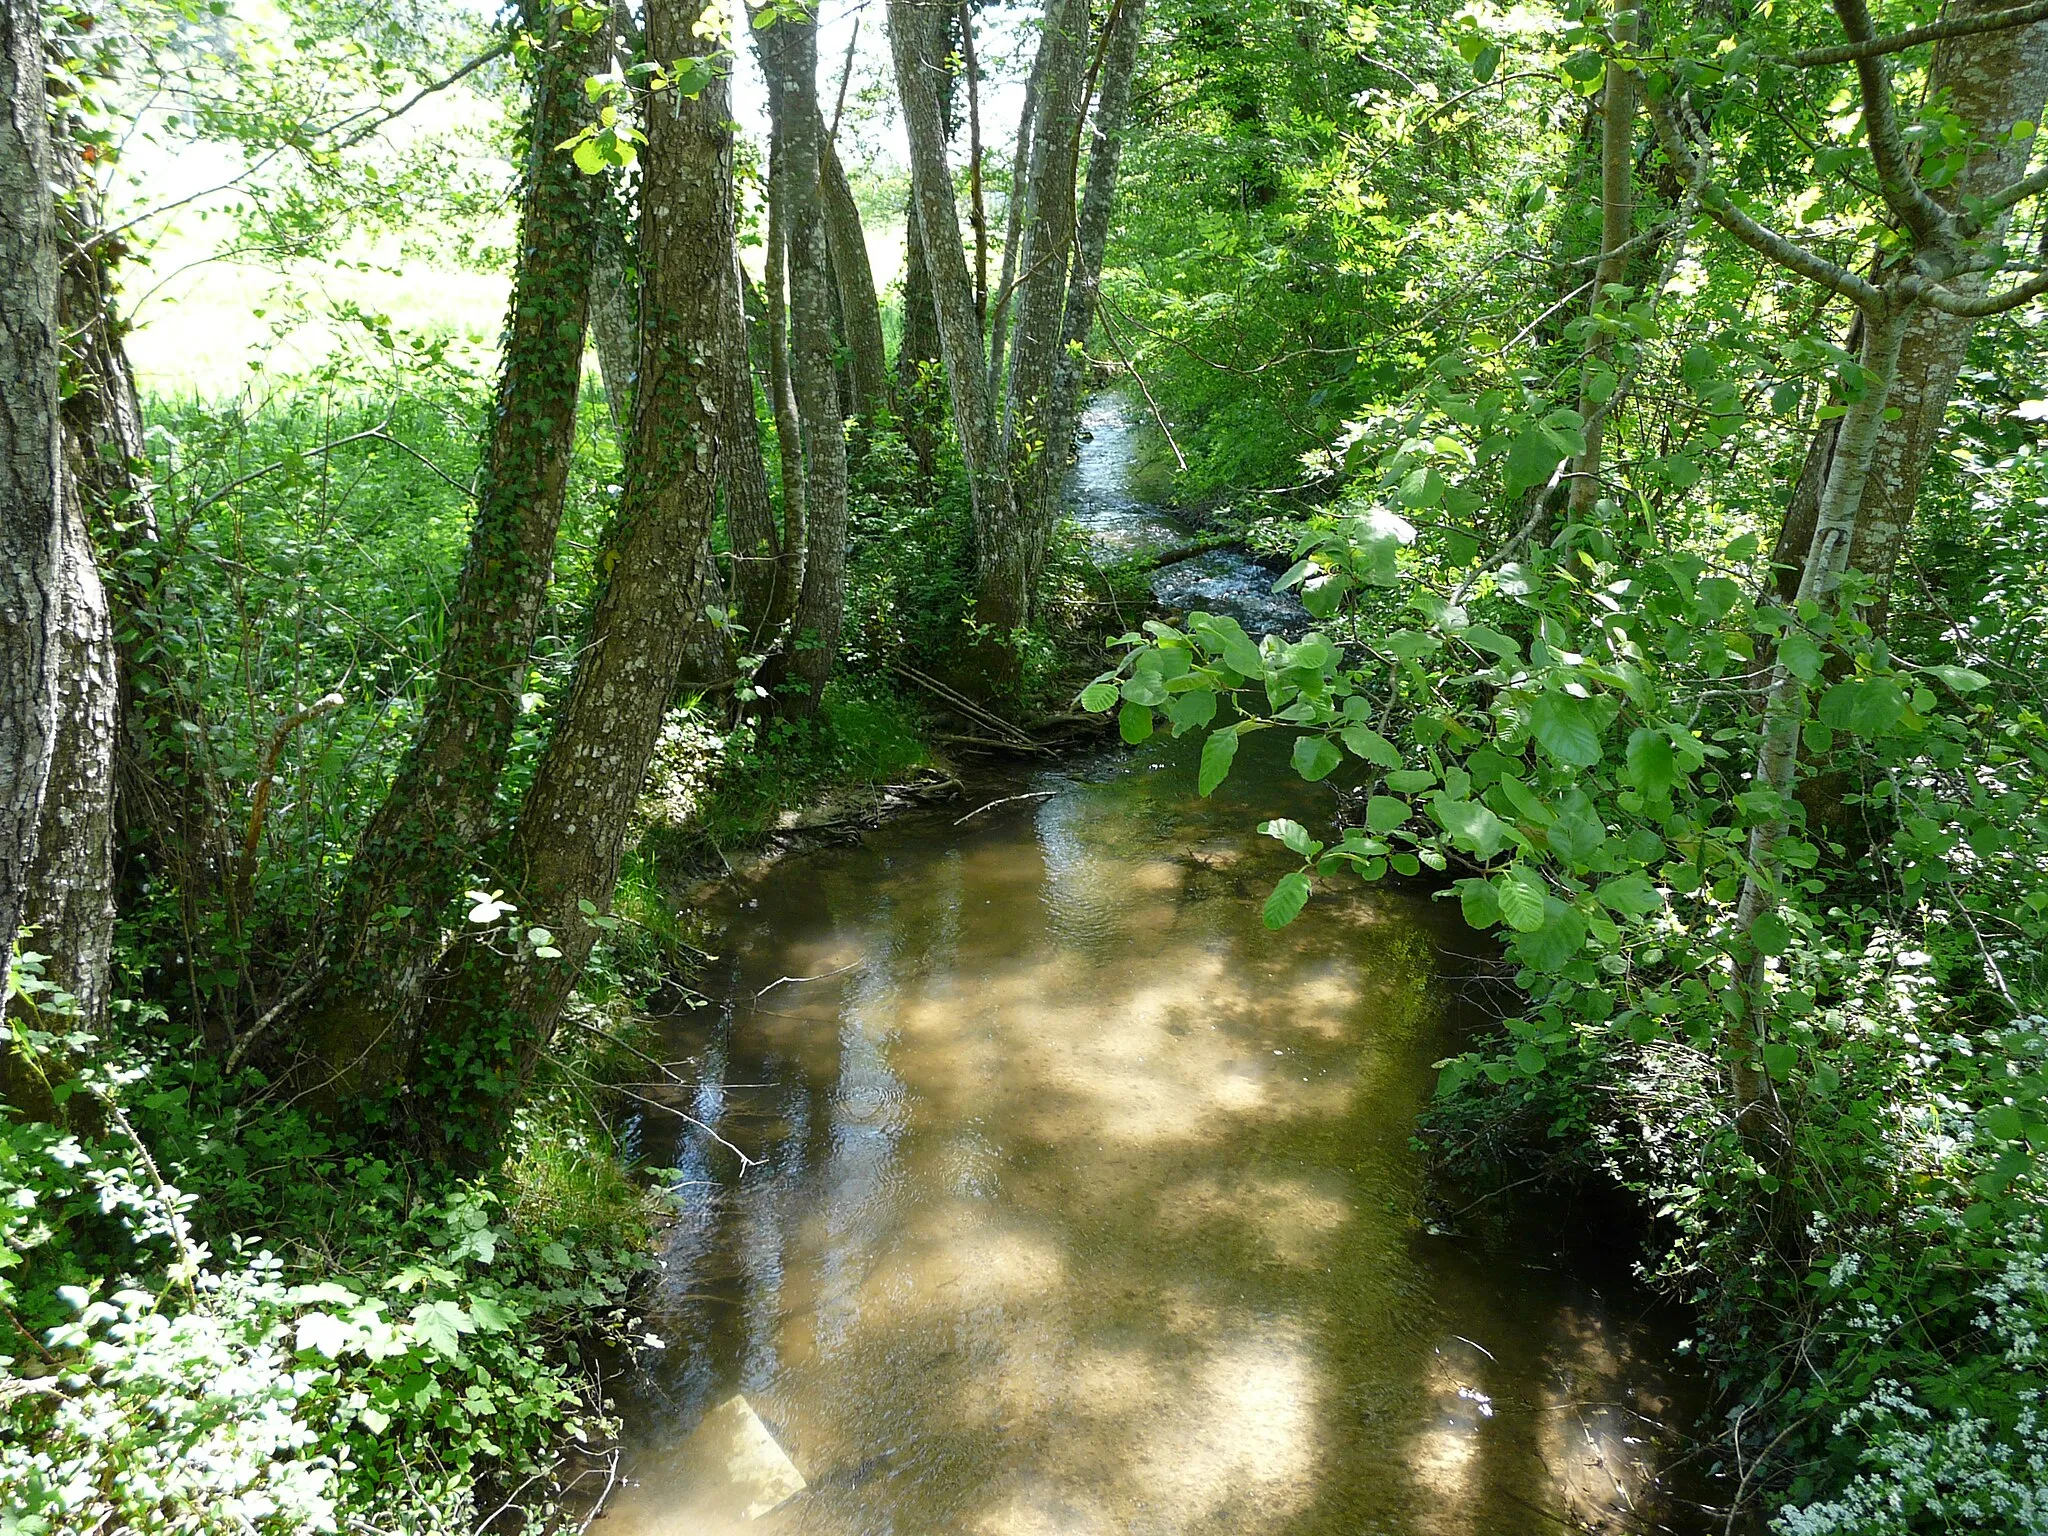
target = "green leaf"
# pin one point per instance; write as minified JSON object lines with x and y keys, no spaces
{"x":1530,"y":1059}
{"x":1484,"y":66}
{"x":589,"y":157}
{"x":1961,"y":679}
{"x":1521,"y":895}
{"x":1470,"y":824}
{"x":1651,"y":765}
{"x":1217,"y":754}
{"x":1369,"y":744}
{"x":440,"y":1325}
{"x":1411,"y":780}
{"x":1779,"y":1059}
{"x":1556,"y":940}
{"x":1564,"y":725}
{"x":1188,"y":711}
{"x":1631,"y":895}
{"x":1287,"y":900}
{"x":1868,"y":706}
{"x":1383,"y":813}
{"x":1770,"y":934}
{"x":1134,"y":723}
{"x":1480,"y":903}
{"x":2001,"y":1122}
{"x":1577,"y":834}
{"x":1532,"y":458}
{"x":1099,"y":697}
{"x":1293,"y":834}
{"x":1315,"y":757}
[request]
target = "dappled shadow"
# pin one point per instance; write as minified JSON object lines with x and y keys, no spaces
{"x":1087,"y":1205}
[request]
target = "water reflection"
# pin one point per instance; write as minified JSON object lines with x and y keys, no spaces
{"x":1088,"y":1205}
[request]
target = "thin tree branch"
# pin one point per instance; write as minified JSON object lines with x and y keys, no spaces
{"x":1913,"y":37}
{"x":1765,"y":241}
{"x":1973,"y":305}
{"x":1903,"y":194}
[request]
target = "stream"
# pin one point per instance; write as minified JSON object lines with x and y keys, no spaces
{"x":1080,"y":1204}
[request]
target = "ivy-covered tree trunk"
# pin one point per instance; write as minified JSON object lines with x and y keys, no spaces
{"x":498,"y":1004}
{"x":788,"y":49}
{"x":422,"y":844}
{"x":860,"y":310}
{"x":31,"y":459}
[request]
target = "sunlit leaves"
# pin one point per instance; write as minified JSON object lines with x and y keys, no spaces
{"x":1520,"y":893}
{"x":1287,"y":900}
{"x":1218,"y":752}
{"x":1564,"y":725}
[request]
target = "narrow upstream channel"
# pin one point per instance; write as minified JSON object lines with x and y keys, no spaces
{"x":1084,"y":1205}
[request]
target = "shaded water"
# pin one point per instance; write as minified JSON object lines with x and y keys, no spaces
{"x":1084,"y":1205}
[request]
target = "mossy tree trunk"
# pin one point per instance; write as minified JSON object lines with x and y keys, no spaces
{"x":421,"y":846}
{"x":498,"y":1004}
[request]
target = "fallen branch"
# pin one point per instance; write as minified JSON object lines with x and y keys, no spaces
{"x":1036,"y":794}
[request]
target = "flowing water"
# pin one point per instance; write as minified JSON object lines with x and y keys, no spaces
{"x":1079,"y":1204}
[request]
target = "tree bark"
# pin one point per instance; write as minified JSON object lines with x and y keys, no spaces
{"x":1010,"y":557}
{"x":31,"y":460}
{"x":71,"y":891}
{"x":788,"y":50}
{"x":759,"y":556}
{"x":1777,"y":766}
{"x":615,"y":327}
{"x":860,"y":310}
{"x":1617,"y":224}
{"x":1990,"y":80}
{"x":789,"y":437}
{"x":1098,"y":203}
{"x":920,"y":399}
{"x":422,"y":843}
{"x":498,"y":1007}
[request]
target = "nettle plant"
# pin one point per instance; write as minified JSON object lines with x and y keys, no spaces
{"x":1569,"y":740}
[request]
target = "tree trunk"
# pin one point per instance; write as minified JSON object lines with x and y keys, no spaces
{"x":915,"y":27}
{"x":615,"y":326}
{"x":1617,"y":224}
{"x":31,"y":460}
{"x":1009,"y":559}
{"x":498,"y":1007}
{"x":1016,"y":228}
{"x":789,"y":436}
{"x":758,"y":552}
{"x":1991,"y":80}
{"x":920,"y":399}
{"x":71,"y":892}
{"x":1759,"y":1115}
{"x":1098,"y":203}
{"x":860,"y":310}
{"x":423,"y":841}
{"x":788,"y":50}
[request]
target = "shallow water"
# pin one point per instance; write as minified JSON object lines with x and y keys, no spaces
{"x":1083,"y":1205}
